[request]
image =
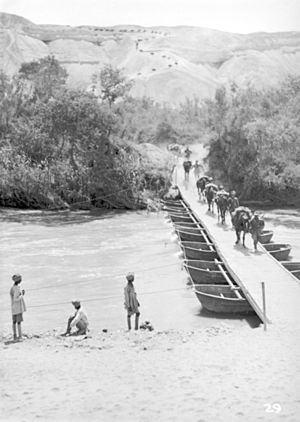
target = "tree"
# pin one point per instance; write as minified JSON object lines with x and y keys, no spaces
{"x":254,"y":140}
{"x":109,"y":84}
{"x":42,"y":79}
{"x":8,"y":104}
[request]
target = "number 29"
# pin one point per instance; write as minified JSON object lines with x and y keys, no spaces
{"x":272,"y":408}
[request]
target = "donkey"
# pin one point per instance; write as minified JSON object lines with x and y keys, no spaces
{"x":241,"y":219}
{"x":222,"y":207}
{"x":201,"y":183}
{"x":210,"y":194}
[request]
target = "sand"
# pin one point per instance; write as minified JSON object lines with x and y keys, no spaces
{"x":220,"y":373}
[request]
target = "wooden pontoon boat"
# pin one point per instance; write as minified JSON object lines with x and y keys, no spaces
{"x":280,"y":251}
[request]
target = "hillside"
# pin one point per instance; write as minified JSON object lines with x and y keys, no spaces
{"x":166,"y":63}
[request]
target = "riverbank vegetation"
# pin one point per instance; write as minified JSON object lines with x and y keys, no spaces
{"x":254,"y":141}
{"x":61,"y":147}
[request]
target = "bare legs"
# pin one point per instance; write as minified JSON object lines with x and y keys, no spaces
{"x":17,"y":326}
{"x":255,"y":241}
{"x":81,"y":328}
{"x":68,"y":330}
{"x":136,"y":324}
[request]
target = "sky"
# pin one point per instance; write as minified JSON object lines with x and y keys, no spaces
{"x":241,"y":16}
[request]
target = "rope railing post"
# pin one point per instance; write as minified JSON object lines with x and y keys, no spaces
{"x":264,"y":304}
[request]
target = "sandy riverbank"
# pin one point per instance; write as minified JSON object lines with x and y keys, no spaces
{"x":214,"y":374}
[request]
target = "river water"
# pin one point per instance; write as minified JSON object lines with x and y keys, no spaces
{"x":86,"y":255}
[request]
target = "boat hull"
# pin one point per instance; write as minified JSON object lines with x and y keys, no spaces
{"x":201,"y":276}
{"x":187,"y":224}
{"x":291,"y":266}
{"x":176,"y":210}
{"x":221,"y":299}
{"x":265,"y":236}
{"x":204,"y":265}
{"x":185,"y":227}
{"x":180,"y":218}
{"x":296,"y":273}
{"x":190,"y":237}
{"x":199,"y":251}
{"x":174,"y":203}
{"x":278,"y":251}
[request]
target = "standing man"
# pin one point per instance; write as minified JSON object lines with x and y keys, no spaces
{"x":17,"y":306}
{"x":187,"y":165}
{"x":187,"y":152}
{"x":131,"y":303}
{"x":256,"y":226}
{"x":197,"y":169}
{"x":233,"y":202}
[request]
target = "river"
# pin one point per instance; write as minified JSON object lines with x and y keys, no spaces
{"x":86,"y":255}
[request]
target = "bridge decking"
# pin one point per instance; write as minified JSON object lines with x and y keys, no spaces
{"x":248,"y":268}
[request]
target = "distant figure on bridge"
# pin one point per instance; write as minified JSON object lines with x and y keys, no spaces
{"x":173,"y":193}
{"x":240,"y":220}
{"x":187,"y":165}
{"x":131,"y":303}
{"x":187,"y":153}
{"x":201,"y":183}
{"x":221,"y":201}
{"x":78,"y":319}
{"x":197,"y":169}
{"x":256,"y":226}
{"x":210,"y":194}
{"x":233,"y":202}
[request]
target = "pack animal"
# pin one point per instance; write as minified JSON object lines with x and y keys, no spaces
{"x":240,"y":220}
{"x":210,"y":194}
{"x":222,"y":207}
{"x":201,"y":183}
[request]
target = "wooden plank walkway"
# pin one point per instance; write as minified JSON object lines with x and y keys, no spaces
{"x":248,"y":268}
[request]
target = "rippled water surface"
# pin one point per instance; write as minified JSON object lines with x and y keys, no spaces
{"x":86,"y":255}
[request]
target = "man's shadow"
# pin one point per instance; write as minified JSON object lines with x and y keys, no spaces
{"x":12,"y":342}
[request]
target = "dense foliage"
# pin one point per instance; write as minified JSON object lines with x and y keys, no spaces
{"x":255,"y":140}
{"x":60,"y":146}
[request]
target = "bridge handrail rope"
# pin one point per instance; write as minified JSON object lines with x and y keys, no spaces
{"x":99,"y":298}
{"x":90,"y":200}
{"x":110,"y":276}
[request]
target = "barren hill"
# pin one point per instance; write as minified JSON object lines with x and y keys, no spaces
{"x":166,"y":63}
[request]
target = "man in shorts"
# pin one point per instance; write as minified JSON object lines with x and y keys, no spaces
{"x":17,"y":306}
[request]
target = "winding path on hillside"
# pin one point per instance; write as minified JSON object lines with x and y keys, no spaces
{"x":9,"y":48}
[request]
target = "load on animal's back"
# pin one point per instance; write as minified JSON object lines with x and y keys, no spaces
{"x":245,"y":222}
{"x":240,"y":220}
{"x":210,"y":194}
{"x":222,"y":203}
{"x":201,"y":183}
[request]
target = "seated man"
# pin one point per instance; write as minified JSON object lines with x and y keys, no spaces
{"x":79,"y":319}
